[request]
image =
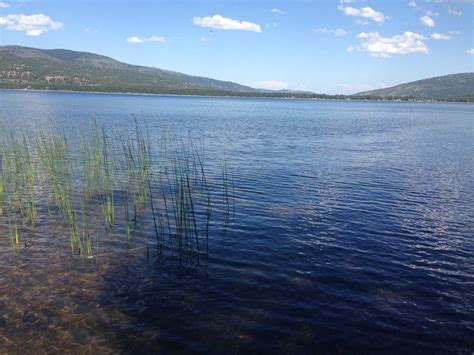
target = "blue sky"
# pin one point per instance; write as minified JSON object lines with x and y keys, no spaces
{"x":341,"y":46}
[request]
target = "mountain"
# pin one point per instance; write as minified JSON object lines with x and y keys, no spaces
{"x":60,"y":69}
{"x":447,"y":87}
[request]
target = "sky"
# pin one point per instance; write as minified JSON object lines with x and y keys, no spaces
{"x":340,"y":46}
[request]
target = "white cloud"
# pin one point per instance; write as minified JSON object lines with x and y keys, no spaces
{"x":135,"y":40}
{"x":470,"y":51}
{"x":146,"y":39}
{"x":224,"y":23}
{"x":366,"y":12}
{"x":278,"y":11}
{"x":455,"y":11}
{"x":362,"y":22}
{"x":354,"y":87}
{"x":413,"y":4}
{"x":90,"y":30}
{"x":427,"y":21}
{"x":156,"y":39}
{"x":338,"y":32}
{"x":4,"y":5}
{"x":378,"y":46}
{"x":33,"y":25}
{"x":269,"y":84}
{"x":440,"y":36}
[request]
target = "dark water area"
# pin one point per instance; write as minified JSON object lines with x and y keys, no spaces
{"x":353,"y":232}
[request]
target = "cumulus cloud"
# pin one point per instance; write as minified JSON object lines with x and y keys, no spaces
{"x":269,"y":84}
{"x":379,"y":46}
{"x":278,"y":11}
{"x":33,"y":25}
{"x":427,"y":21}
{"x":470,"y":51}
{"x":4,"y":5}
{"x":338,"y":32}
{"x":455,"y":11}
{"x":440,"y":36}
{"x":413,"y":4}
{"x":366,"y":12}
{"x":223,"y":23}
{"x":146,"y":39}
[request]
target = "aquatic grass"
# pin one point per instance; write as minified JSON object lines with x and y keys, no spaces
{"x":2,"y":184}
{"x":17,"y":177}
{"x":105,"y":184}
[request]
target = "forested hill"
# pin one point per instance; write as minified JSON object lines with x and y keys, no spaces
{"x":454,"y":86}
{"x":60,"y":69}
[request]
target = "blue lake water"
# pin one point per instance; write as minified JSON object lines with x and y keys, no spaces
{"x":353,"y":232}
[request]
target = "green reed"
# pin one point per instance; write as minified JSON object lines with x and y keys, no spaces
{"x":164,"y":192}
{"x":2,"y":184}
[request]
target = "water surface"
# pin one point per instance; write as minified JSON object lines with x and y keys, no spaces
{"x":353,"y":232}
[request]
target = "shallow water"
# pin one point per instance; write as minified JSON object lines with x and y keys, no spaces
{"x":353,"y":232}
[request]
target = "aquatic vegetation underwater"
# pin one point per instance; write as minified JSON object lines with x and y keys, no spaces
{"x":111,"y":186}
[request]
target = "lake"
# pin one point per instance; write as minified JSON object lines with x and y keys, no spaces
{"x":352,"y":231}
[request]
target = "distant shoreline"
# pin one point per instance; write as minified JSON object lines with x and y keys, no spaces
{"x":295,"y":97}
